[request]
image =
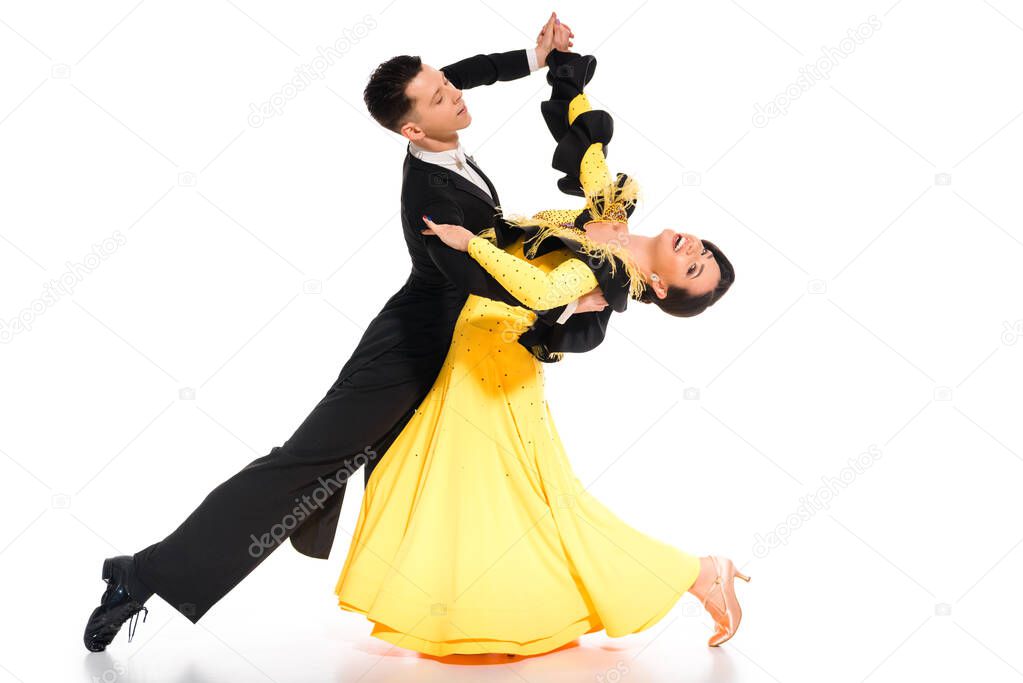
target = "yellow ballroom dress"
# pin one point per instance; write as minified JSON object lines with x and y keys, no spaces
{"x":474,"y":535}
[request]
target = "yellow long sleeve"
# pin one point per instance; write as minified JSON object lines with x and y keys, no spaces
{"x":593,"y":171}
{"x":535,"y":288}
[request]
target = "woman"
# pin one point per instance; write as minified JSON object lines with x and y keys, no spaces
{"x":474,"y":535}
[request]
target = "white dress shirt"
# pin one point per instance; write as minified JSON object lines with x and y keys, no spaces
{"x":454,"y":160}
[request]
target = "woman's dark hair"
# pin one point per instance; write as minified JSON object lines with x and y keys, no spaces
{"x":680,"y":303}
{"x":385,"y":93}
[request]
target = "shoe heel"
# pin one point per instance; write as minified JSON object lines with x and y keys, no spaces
{"x":740,"y":575}
{"x":107,"y":570}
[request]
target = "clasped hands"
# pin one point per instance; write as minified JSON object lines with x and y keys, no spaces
{"x":554,"y":35}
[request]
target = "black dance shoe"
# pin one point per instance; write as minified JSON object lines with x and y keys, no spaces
{"x":117,"y":605}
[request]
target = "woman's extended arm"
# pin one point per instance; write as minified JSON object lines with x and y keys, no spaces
{"x":594,"y":174}
{"x":532,"y":286}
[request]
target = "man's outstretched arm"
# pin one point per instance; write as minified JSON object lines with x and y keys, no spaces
{"x":508,"y":66}
{"x":488,"y":69}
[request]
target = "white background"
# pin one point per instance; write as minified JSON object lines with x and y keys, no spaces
{"x":876,"y":232}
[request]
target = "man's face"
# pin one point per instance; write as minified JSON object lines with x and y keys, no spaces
{"x":437,"y":107}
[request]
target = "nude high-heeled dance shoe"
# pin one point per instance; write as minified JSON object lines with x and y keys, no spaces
{"x":727,"y":619}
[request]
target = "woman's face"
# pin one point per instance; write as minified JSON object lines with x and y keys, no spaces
{"x":681,"y":260}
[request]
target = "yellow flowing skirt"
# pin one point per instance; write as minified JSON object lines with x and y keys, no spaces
{"x":475,"y":536}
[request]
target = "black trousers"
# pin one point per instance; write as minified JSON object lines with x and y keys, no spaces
{"x":248,"y":516}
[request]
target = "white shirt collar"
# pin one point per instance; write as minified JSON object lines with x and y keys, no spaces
{"x":449,"y":157}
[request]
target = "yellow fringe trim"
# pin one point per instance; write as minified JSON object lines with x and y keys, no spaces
{"x":610,"y":201}
{"x":607,"y":204}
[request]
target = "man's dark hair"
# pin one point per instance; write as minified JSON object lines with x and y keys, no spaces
{"x":385,"y":93}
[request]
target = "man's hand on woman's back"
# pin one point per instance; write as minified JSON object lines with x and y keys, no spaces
{"x":593,"y":300}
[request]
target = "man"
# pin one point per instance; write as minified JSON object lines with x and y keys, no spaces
{"x":296,"y":490}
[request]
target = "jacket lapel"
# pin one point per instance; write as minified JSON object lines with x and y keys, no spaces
{"x":458,"y":181}
{"x":493,"y":190}
{"x":468,"y":186}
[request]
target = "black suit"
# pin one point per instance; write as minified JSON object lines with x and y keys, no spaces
{"x":296,"y":490}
